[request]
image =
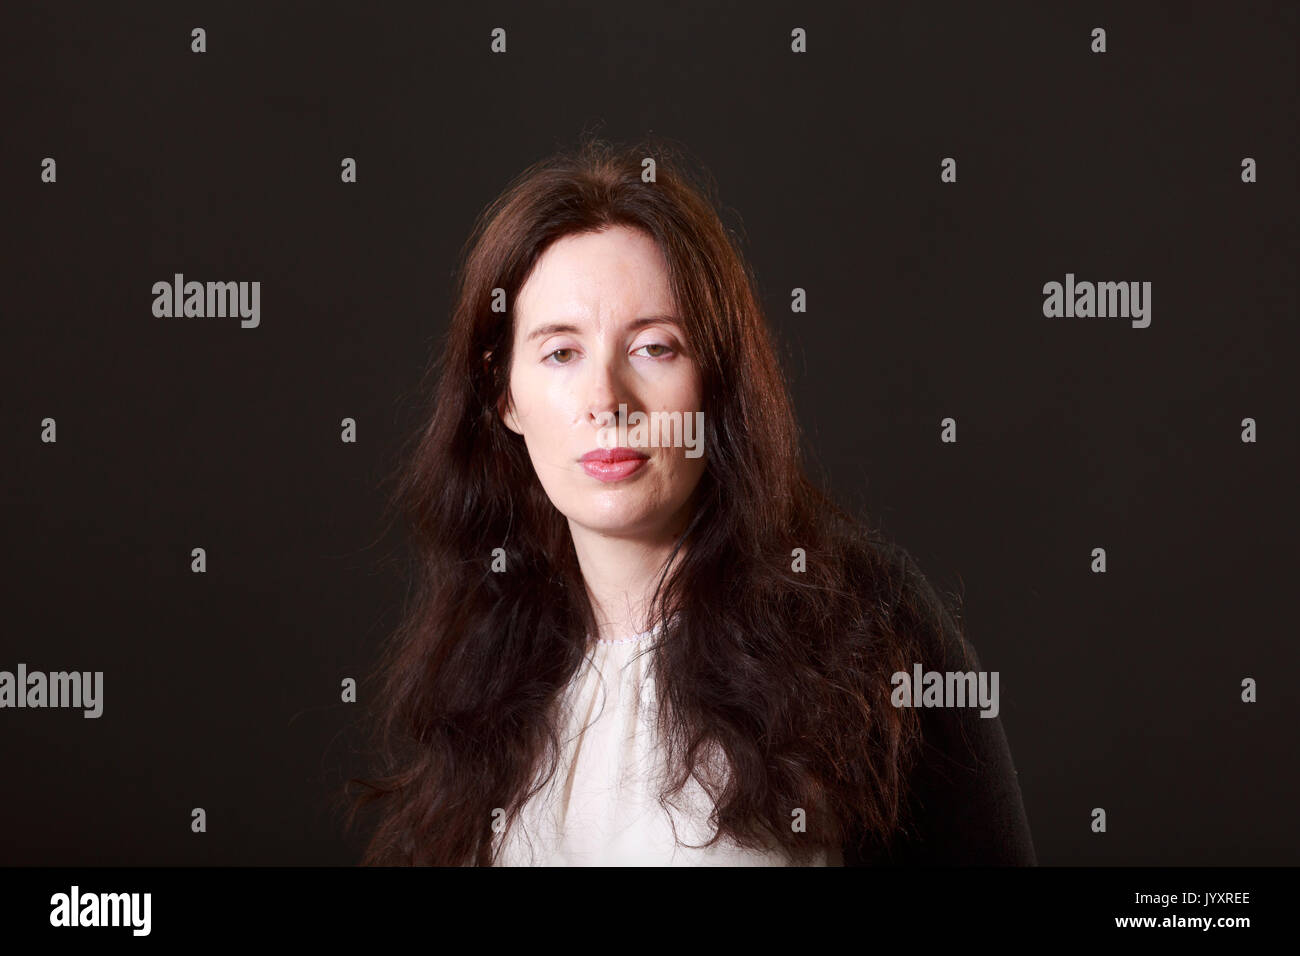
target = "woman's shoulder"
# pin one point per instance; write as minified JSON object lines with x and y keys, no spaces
{"x":964,"y":804}
{"x":931,"y":616}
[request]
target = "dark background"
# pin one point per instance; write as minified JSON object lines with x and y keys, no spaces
{"x":221,"y":690}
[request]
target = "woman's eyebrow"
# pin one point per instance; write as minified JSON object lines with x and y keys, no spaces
{"x":560,"y":328}
{"x":552,"y":329}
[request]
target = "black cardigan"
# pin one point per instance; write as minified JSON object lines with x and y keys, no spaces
{"x":964,"y":805}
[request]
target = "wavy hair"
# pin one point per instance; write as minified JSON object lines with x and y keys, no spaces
{"x":786,"y":673}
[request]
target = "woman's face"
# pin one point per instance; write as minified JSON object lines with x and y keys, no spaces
{"x":595,"y":328}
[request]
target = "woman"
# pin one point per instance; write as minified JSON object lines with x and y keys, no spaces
{"x":624,"y":649}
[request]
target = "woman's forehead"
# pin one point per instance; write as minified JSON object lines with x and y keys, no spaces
{"x":594,"y":280}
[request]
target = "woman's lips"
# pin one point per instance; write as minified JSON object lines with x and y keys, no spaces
{"x":613,"y":464}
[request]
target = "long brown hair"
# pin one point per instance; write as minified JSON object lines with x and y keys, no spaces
{"x":784,"y":669}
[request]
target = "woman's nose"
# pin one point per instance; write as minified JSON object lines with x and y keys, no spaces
{"x":606,"y":391}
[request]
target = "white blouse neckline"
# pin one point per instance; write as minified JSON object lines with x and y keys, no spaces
{"x":629,"y":640}
{"x":602,"y":806}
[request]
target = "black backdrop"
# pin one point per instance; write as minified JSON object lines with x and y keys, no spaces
{"x":1120,"y":690}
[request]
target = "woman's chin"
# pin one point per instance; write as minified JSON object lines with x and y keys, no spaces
{"x":620,"y":522}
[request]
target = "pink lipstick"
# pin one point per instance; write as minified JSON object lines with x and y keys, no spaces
{"x":613,"y":464}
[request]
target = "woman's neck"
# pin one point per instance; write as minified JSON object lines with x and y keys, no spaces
{"x":621,"y":576}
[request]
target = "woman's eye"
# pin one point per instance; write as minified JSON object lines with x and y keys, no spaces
{"x":667,"y":350}
{"x":561,"y":356}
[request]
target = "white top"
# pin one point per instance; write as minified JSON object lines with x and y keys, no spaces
{"x":600,"y":807}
